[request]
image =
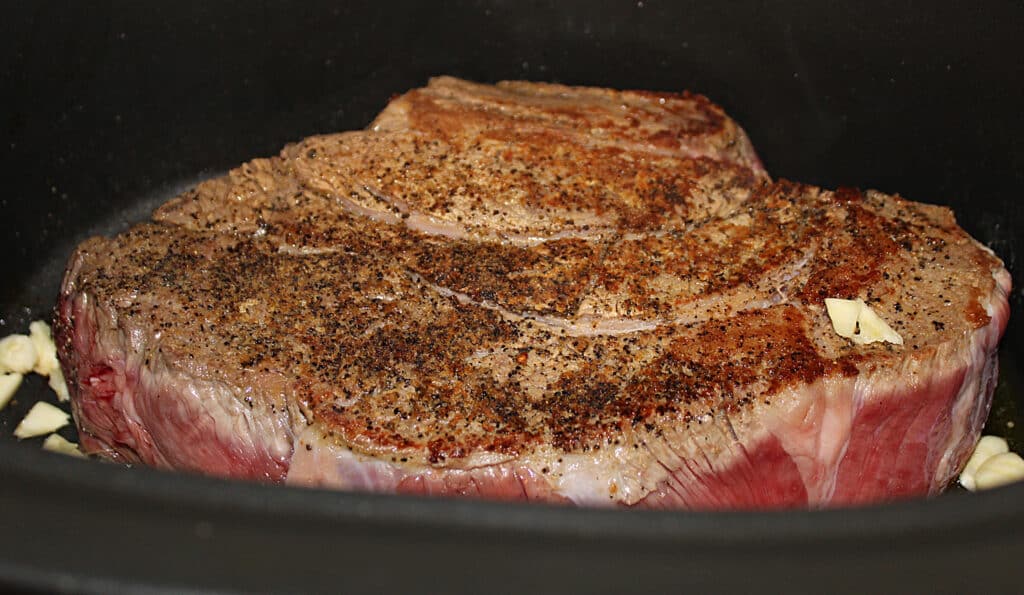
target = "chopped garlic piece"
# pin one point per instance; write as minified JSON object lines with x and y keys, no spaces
{"x":847,"y":315}
{"x":57,"y":443}
{"x":46,"y":350}
{"x":9,"y":383}
{"x":844,"y":315}
{"x":58,"y":385}
{"x":998,"y":470}
{"x":873,"y":329}
{"x":17,"y":354}
{"x":987,"y":447}
{"x":43,"y":418}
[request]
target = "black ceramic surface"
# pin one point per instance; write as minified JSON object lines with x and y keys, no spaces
{"x":110,"y":107}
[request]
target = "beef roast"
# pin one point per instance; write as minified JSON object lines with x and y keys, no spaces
{"x":531,"y":291}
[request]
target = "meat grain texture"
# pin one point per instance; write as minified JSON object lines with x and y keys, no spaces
{"x":535,"y":292}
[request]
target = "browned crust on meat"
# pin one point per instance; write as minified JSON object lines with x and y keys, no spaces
{"x":642,"y":121}
{"x":396,"y":340}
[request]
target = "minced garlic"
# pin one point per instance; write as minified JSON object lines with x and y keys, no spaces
{"x":855,"y":320}
{"x":987,"y":447}
{"x":9,"y":383}
{"x":57,"y":443}
{"x":998,"y":470}
{"x":43,"y":418}
{"x":17,"y":354}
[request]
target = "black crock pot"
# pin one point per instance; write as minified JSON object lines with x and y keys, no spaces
{"x":110,"y":107}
